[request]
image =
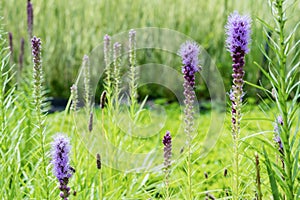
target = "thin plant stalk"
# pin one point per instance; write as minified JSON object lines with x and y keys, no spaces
{"x":116,"y":74}
{"x":38,"y":100}
{"x":167,"y":142}
{"x":132,"y":73}
{"x":86,"y":76}
{"x":108,"y":72}
{"x":258,"y":179}
{"x":99,"y":166}
{"x":238,"y":38}
{"x":284,"y":79}
{"x":189,"y":52}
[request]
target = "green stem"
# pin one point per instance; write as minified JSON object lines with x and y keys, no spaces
{"x":283,"y":99}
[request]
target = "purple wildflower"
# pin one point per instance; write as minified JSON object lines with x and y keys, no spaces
{"x":277,"y":139}
{"x":11,"y":48}
{"x":21,"y":55}
{"x":132,"y":71}
{"x":107,"y":49}
{"x":98,"y":161}
{"x":37,"y":71}
{"x":107,"y":60}
{"x":36,"y":50}
{"x":280,"y":120}
{"x":60,"y":160}
{"x":238,"y":33}
{"x":238,"y":38}
{"x":167,"y":141}
{"x":189,"y":52}
{"x":29,"y":18}
{"x":86,"y":79}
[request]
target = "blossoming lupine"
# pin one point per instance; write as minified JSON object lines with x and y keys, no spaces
{"x":61,"y":167}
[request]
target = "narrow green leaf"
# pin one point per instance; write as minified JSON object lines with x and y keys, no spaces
{"x":265,"y":73}
{"x":296,"y":167}
{"x":272,"y":179}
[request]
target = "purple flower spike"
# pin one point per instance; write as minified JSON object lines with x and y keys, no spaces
{"x":238,"y":38}
{"x":11,"y":48}
{"x":189,"y":52}
{"x":277,"y":139}
{"x":167,"y":141}
{"x":30,"y":18}
{"x":238,"y":33}
{"x":36,"y":50}
{"x":60,"y":157}
{"x":60,"y":160}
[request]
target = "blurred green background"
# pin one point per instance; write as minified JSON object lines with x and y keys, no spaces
{"x":70,"y":29}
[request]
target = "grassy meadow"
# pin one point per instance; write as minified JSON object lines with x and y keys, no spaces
{"x":70,"y":29}
{"x":116,"y":138}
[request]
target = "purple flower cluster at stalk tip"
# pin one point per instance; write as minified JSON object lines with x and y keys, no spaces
{"x":106,"y":40}
{"x":238,"y":33}
{"x":167,"y":141}
{"x":11,"y":48}
{"x":132,"y":34}
{"x":60,"y":160}
{"x":30,"y":18}
{"x":189,"y":52}
{"x":36,"y":50}
{"x":238,"y":30}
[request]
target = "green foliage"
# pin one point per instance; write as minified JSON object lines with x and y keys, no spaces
{"x":72,"y":29}
{"x":24,"y":169}
{"x":283,"y":75}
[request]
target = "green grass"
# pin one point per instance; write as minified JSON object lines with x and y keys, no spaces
{"x":70,"y":29}
{"x":119,"y":184}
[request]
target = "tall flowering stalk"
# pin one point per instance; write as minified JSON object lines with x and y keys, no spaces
{"x":38,"y":100}
{"x":108,"y":70}
{"x":61,"y":165}
{"x":283,"y":75}
{"x":167,"y":142}
{"x":238,"y":38}
{"x":258,"y":178}
{"x":116,"y":75}
{"x":132,"y":72}
{"x":74,"y":96}
{"x":29,"y":18}
{"x":189,"y":53}
{"x":21,"y":55}
{"x":86,"y":77}
{"x":99,"y":166}
{"x":11,"y":47}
